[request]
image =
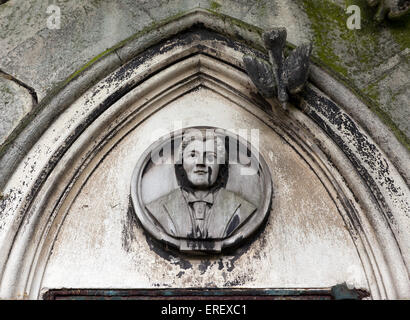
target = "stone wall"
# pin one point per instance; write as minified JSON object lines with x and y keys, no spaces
{"x":373,"y":61}
{"x":79,"y":103}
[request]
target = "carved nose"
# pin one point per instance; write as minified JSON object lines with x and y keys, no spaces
{"x":200,"y":161}
{"x":200,"y":164}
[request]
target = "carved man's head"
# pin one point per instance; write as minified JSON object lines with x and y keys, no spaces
{"x":203,"y":154}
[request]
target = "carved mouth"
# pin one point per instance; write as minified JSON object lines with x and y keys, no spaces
{"x":201,"y":172}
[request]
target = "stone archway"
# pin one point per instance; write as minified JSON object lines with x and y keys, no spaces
{"x":197,"y":62}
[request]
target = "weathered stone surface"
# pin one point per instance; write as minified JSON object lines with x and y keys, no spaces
{"x":391,"y":86}
{"x":42,"y":58}
{"x":356,"y":55}
{"x":304,"y":244}
{"x":339,"y":207}
{"x":393,"y":9}
{"x":15,"y":102}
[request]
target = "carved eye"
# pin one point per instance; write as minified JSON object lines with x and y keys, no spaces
{"x":210,"y":157}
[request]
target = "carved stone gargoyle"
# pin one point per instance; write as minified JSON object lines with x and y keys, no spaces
{"x":279,"y":77}
{"x":393,"y":9}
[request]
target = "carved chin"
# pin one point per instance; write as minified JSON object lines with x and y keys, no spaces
{"x":200,"y":181}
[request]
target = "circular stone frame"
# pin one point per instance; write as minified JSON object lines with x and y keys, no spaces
{"x":206,"y":246}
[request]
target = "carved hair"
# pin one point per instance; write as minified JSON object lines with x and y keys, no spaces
{"x":222,"y":148}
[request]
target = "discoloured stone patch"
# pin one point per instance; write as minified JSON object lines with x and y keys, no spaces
{"x":15,"y":102}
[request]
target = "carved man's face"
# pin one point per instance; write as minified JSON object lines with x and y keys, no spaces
{"x":200,"y":163}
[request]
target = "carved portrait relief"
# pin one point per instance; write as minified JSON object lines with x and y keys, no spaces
{"x":214,"y":191}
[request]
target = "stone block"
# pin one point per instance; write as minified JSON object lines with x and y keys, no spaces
{"x":15,"y":103}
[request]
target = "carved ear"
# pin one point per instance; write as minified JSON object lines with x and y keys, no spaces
{"x":261,"y":75}
{"x":297,"y":68}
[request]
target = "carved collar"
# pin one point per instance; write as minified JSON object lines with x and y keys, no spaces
{"x":192,"y":198}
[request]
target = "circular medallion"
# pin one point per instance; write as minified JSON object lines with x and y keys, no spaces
{"x":201,"y":189}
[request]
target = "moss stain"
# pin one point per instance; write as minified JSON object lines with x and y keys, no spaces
{"x":351,"y":55}
{"x":328,"y":22}
{"x":213,"y":5}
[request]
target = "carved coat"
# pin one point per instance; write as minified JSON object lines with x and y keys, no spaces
{"x":228,"y":212}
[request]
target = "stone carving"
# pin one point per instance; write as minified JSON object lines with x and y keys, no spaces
{"x":280,"y":77}
{"x":203,"y":212}
{"x":391,"y":8}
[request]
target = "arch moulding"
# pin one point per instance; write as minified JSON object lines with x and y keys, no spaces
{"x":46,"y":165}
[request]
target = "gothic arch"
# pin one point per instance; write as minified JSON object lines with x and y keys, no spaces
{"x":79,"y":125}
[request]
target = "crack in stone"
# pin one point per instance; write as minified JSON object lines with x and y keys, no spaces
{"x":31,"y":91}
